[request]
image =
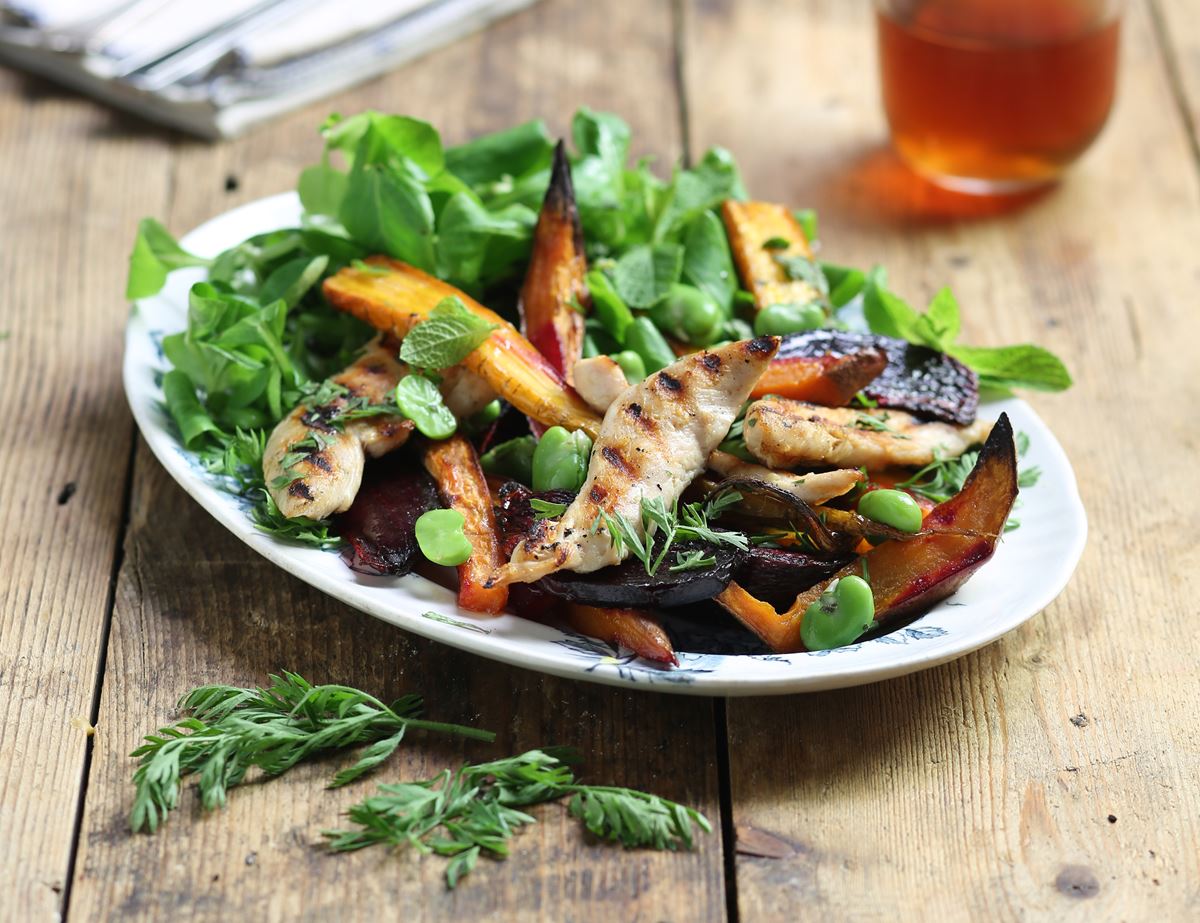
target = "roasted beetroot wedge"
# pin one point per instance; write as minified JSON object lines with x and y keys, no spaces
{"x":628,"y":585}
{"x":554,"y":283}
{"x":640,"y":632}
{"x":379,"y":529}
{"x":915,"y":378}
{"x":908,"y":577}
{"x":778,"y":575}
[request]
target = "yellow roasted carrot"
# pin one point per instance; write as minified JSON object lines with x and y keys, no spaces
{"x":392,"y":296}
{"x":750,"y":226}
{"x":453,"y":464}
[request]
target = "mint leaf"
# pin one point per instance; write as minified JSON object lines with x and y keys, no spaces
{"x":845,"y":283}
{"x":155,"y":254}
{"x":1023,"y":366}
{"x":890,"y":315}
{"x":802,"y":269}
{"x":446,"y":338}
{"x":644,"y":274}
{"x":941,"y":322}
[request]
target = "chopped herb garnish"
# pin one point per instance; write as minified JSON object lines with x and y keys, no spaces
{"x":692,"y":560}
{"x":662,"y":527}
{"x":546,"y":509}
{"x":776,"y":243}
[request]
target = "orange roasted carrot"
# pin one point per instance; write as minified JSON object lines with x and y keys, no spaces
{"x":453,"y":464}
{"x":392,"y":296}
{"x":554,"y":285}
{"x":828,"y":380}
{"x":750,"y":226}
{"x":631,"y":628}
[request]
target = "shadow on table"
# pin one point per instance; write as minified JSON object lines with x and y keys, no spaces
{"x":876,"y":187}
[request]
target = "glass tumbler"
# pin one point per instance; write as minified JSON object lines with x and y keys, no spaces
{"x":996,"y":96}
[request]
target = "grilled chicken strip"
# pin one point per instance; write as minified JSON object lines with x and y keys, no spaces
{"x":812,"y":488}
{"x":783,"y":434}
{"x":599,"y":381}
{"x":326,"y":479}
{"x":654,"y":440}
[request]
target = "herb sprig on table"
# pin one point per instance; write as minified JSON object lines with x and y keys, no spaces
{"x":458,"y":815}
{"x":232,"y":730}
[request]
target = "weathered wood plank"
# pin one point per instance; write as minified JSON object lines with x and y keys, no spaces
{"x":193,"y":606}
{"x":72,"y":190}
{"x":1178,"y":33}
{"x":984,"y":789}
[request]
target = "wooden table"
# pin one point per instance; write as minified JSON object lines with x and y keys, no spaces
{"x":1052,"y":774}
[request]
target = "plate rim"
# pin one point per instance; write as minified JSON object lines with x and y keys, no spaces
{"x":176,"y":460}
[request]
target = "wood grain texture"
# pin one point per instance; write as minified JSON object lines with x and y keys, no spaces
{"x":1178,"y":33}
{"x":193,"y":605}
{"x":1053,"y":774}
{"x":71,"y":190}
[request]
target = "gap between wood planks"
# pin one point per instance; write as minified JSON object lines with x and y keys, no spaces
{"x":720,"y":727}
{"x":101,"y":666}
{"x":1170,"y":60}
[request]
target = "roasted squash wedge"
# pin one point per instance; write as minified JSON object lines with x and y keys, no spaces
{"x":751,"y":226}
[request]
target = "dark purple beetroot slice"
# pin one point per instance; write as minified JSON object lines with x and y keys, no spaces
{"x":516,"y":518}
{"x":779,"y":575}
{"x":627,"y":585}
{"x":918,"y":379}
{"x":380,"y":527}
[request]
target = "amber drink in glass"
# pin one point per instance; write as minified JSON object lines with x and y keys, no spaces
{"x":996,"y":96}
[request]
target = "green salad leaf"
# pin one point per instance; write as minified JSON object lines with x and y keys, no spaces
{"x":155,"y":254}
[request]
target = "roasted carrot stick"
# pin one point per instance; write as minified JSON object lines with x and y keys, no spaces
{"x":554,"y":285}
{"x":395,"y":299}
{"x":631,"y":628}
{"x":829,"y":380}
{"x":750,"y":226}
{"x":455,"y":467}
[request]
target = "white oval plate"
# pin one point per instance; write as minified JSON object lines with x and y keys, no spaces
{"x":1030,"y":568}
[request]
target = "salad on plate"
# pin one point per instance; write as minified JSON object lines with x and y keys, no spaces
{"x":586,"y":395}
